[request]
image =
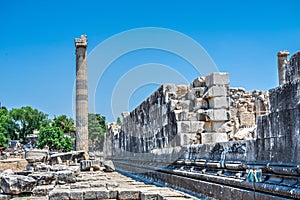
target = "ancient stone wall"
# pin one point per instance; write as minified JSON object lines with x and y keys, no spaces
{"x":278,"y":132}
{"x":219,"y":134}
{"x":293,"y":68}
{"x":205,"y":111}
{"x":178,"y":116}
{"x":277,"y":124}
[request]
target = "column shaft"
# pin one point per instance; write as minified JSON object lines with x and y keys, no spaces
{"x":81,"y":95}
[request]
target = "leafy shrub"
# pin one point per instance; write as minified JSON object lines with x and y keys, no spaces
{"x":3,"y":140}
{"x":54,"y":138}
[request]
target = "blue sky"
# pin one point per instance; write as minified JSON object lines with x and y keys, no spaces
{"x":37,"y":56}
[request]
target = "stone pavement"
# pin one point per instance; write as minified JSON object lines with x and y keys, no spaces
{"x":101,"y":185}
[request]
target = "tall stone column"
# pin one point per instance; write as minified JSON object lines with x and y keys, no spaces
{"x":81,"y":94}
{"x":282,"y":62}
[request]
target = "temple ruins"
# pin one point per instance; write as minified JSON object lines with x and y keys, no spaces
{"x":203,"y":140}
{"x":208,"y":138}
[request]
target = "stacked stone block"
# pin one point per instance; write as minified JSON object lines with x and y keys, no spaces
{"x":218,"y":108}
{"x":176,"y":116}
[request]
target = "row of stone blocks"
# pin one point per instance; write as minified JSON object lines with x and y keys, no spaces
{"x":113,"y":186}
{"x":103,"y":193}
{"x":213,"y":183}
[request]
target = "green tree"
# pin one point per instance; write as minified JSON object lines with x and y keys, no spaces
{"x":97,"y":129}
{"x":4,"y":118}
{"x":7,"y":127}
{"x":27,"y":120}
{"x":3,"y":141}
{"x":66,"y":124}
{"x":54,"y":138}
{"x":119,"y":122}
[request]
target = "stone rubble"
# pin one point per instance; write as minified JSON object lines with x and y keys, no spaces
{"x":89,"y":179}
{"x":245,"y":108}
{"x":14,"y":150}
{"x":16,"y":184}
{"x":108,"y":166}
{"x":86,"y":165}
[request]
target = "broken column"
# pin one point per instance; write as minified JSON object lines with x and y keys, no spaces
{"x":81,"y":94}
{"x":282,"y":66}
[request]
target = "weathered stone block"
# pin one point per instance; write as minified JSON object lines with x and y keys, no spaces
{"x":181,"y":90}
{"x":199,"y":82}
{"x":292,"y":71}
{"x":213,"y":137}
{"x":218,"y":102}
{"x":129,"y":194}
{"x":15,"y":165}
{"x":183,"y":126}
{"x":76,"y":194}
{"x":109,"y":166}
{"x":102,"y":193}
{"x":42,"y":190}
{"x":68,"y":157}
{"x":90,"y":194}
{"x":149,"y":196}
{"x":113,"y":194}
{"x":185,"y":105}
{"x":59,"y":194}
{"x":168,"y":88}
{"x":198,"y":91}
{"x":218,"y":114}
{"x":201,"y":103}
{"x":86,"y":165}
{"x":79,"y":156}
{"x":187,"y":138}
{"x":36,"y":155}
{"x":56,"y":168}
{"x":42,"y":167}
{"x":217,"y":78}
{"x":218,"y":126}
{"x":17,"y":184}
{"x":216,"y":91}
{"x":284,"y":97}
{"x":45,"y":178}
{"x":66,"y":176}
{"x":185,"y":116}
{"x":235,"y":166}
{"x":197,"y":126}
{"x":247,"y":119}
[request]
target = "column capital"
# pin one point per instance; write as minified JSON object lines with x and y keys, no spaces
{"x":284,"y":53}
{"x":81,"y":42}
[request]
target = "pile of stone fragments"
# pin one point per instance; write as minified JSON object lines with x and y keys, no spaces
{"x":76,"y":176}
{"x":13,"y":150}
{"x":46,"y":170}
